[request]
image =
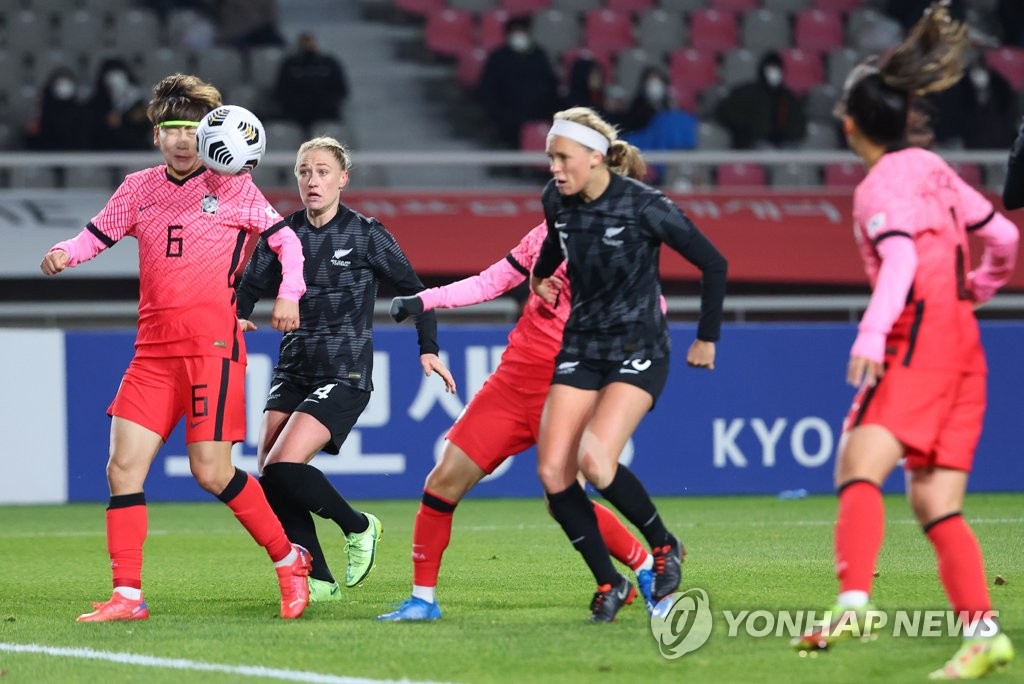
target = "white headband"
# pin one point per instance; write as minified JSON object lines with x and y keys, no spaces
{"x":584,"y":135}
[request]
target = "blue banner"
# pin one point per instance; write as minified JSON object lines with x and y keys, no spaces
{"x":766,"y":420}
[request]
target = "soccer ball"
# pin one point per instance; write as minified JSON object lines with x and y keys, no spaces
{"x":231,"y":140}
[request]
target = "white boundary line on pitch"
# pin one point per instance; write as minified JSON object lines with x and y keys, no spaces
{"x":198,"y":665}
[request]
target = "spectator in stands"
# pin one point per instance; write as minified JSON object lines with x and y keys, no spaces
{"x":1011,"y":18}
{"x":249,"y":23}
{"x":57,"y":125}
{"x":763,"y":112}
{"x":311,"y":85}
{"x":991,"y":109}
{"x":919,"y":124}
{"x":653,"y":121}
{"x":586,"y":84}
{"x":518,"y":83}
{"x":117,"y":109}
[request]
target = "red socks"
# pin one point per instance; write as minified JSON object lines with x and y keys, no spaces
{"x":860,"y":526}
{"x":126,"y":531}
{"x":621,"y":543}
{"x":430,"y":536}
{"x":961,"y":567}
{"x":245,"y":497}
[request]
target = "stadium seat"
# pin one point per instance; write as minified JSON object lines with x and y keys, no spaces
{"x":659,"y":32}
{"x":533,"y":136}
{"x":521,"y":7}
{"x":818,"y":31}
{"x":821,"y":102}
{"x":492,"y":28}
{"x":821,"y":136}
{"x":220,"y":65}
{"x":82,"y":31}
{"x":630,"y":6}
{"x":871,"y":31}
{"x":1009,"y":62}
{"x":449,"y":32}
{"x":26,"y":31}
{"x":471,"y":67}
{"x":284,"y":136}
{"x":738,"y":66}
{"x":264,"y":63}
{"x":420,"y":8}
{"x":839,"y":64}
{"x":271,"y":177}
{"x":49,"y":9}
{"x":787,"y":6}
{"x":474,"y":6}
{"x":244,"y":95}
{"x":713,"y":30}
{"x":735,"y":5}
{"x":630,"y":66}
{"x":739,"y":175}
{"x":570,"y":56}
{"x":556,"y":31}
{"x":794,"y":175}
{"x":32,"y":177}
{"x":844,"y":174}
{"x":11,"y":71}
{"x":763,"y":30}
{"x":577,"y":6}
{"x":684,"y":5}
{"x":159,"y":63}
{"x":45,"y":61}
{"x":89,"y":177}
{"x":607,"y":33}
{"x":995,"y":176}
{"x":335,"y":129}
{"x":803,"y":70}
{"x":708,"y":99}
{"x":692,"y":69}
{"x":712,"y":136}
{"x":136,"y":32}
{"x":21,"y":103}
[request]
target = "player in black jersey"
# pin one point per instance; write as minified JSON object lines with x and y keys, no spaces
{"x":615,"y":350}
{"x":323,"y":378}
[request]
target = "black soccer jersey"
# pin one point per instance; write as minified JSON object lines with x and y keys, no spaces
{"x":612,"y":245}
{"x":344,"y":261}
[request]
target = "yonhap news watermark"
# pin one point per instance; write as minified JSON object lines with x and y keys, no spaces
{"x":683,"y":622}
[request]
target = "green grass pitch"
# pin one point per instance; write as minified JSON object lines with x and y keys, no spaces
{"x":513,"y":592}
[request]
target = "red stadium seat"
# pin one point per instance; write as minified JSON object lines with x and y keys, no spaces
{"x":569,"y":58}
{"x":691,"y":69}
{"x":450,"y":32}
{"x":1009,"y":62}
{"x":492,"y":28}
{"x":606,"y":32}
{"x":631,"y":6}
{"x":420,"y":8}
{"x":522,"y":7}
{"x":971,"y":173}
{"x":713,"y":30}
{"x":740,"y":175}
{"x":844,"y":174}
{"x":818,"y":31}
{"x":533,"y":136}
{"x":804,"y":70}
{"x":471,"y":67}
{"x":735,"y":5}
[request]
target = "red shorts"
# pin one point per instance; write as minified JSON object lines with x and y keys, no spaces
{"x":207,"y":390}
{"x":936,"y":415}
{"x":502,"y":420}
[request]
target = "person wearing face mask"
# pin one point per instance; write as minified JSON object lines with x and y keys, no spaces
{"x":117,"y":109}
{"x":763,"y":112}
{"x":56,"y":127}
{"x":311,"y":85}
{"x":991,"y":110}
{"x":654,"y":122}
{"x":518,"y":83}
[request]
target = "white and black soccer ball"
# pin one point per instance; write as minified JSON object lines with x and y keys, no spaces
{"x":231,"y":140}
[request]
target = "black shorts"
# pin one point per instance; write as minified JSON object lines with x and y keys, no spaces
{"x":649,"y":375}
{"x":336,"y":405}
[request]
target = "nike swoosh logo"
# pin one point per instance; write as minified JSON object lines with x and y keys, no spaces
{"x":624,"y":590}
{"x":274,"y":388}
{"x":560,"y":225}
{"x":197,"y":423}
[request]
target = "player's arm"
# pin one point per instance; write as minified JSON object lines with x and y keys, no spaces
{"x":672,"y":227}
{"x":1000,"y":238}
{"x":262,"y":277}
{"x":492,"y":282}
{"x":391,"y":265}
{"x":551,"y":255}
{"x":1013,"y":185}
{"x":116,"y":221}
{"x":888,"y":299}
{"x":285,"y":244}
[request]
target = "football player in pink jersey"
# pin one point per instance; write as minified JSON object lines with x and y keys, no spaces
{"x":502,"y":419}
{"x":192,"y":226}
{"x":917,"y":359}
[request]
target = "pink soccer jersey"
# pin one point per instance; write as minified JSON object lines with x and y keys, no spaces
{"x":539,"y":331}
{"x":914,"y":193}
{"x":192,"y":235}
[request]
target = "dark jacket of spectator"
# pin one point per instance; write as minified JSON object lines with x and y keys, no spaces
{"x":311,"y":85}
{"x":117,"y":110}
{"x":764,"y":112}
{"x":58,"y":125}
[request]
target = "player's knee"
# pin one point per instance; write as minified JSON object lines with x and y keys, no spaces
{"x":553,"y":478}
{"x":212,"y":479}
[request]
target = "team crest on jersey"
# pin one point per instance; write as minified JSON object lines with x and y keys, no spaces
{"x":209,"y":204}
{"x":609,"y":235}
{"x":875,"y":225}
{"x":270,"y":211}
{"x":339,"y":257}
